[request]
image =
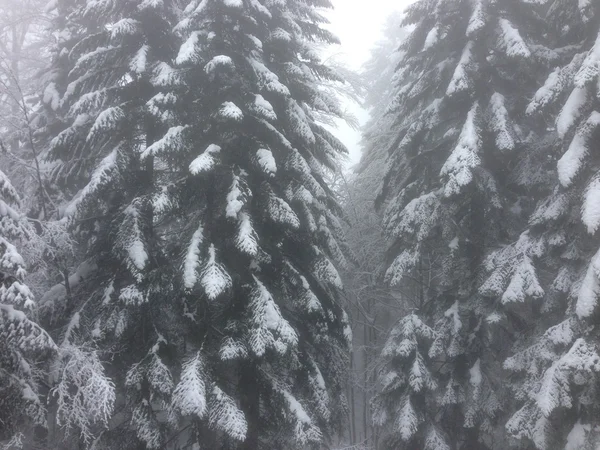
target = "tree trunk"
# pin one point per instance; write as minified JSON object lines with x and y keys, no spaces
{"x":352,"y":402}
{"x":365,"y":380}
{"x":250,"y":403}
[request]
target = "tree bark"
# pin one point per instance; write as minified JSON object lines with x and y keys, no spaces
{"x":250,"y":403}
{"x":365,"y":380}
{"x":352,"y":402}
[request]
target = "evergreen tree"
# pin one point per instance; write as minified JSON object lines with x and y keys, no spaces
{"x":557,"y":360}
{"x":260,"y":220}
{"x":109,"y":55}
{"x":196,"y":173}
{"x":24,"y":345}
{"x":450,"y":202}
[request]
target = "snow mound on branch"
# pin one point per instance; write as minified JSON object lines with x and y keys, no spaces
{"x":431,"y":39}
{"x":588,"y":71}
{"x":224,"y":415}
{"x":229,"y":110}
{"x":189,"y":49}
{"x":164,"y":75}
{"x":501,"y":123}
{"x":235,"y":198}
{"x":269,"y":328}
{"x":215,"y":280}
{"x":523,"y":283}
{"x":233,"y":3}
{"x":266,"y":160}
{"x":577,"y":437}
{"x":571,"y":162}
{"x":465,"y":155}
{"x":555,"y":389}
{"x":246,"y":239}
{"x":590,"y":212}
{"x":400,"y":267}
{"x":435,"y":440}
{"x":460,"y":80}
{"x":205,"y":161}
{"x":511,"y":40}
{"x":407,"y":422}
{"x":589,"y":292}
{"x":172,"y":140}
{"x":571,"y":111}
{"x":263,"y":108}
{"x":124,"y":27}
{"x":138,"y":62}
{"x":189,"y":396}
{"x":218,"y":61}
{"x":477,"y":20}
{"x":192,"y":259}
{"x":305,"y":430}
{"x":107,"y":121}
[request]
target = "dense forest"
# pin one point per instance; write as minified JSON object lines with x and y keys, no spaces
{"x":187,"y":262}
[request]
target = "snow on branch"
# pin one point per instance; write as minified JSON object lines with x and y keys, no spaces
{"x":192,"y":259}
{"x":570,"y":164}
{"x":225,"y":416}
{"x":131,"y":239}
{"x":205,"y":161}
{"x":102,"y":175}
{"x":587,"y":298}
{"x":511,"y":40}
{"x":269,"y":329}
{"x":461,"y":80}
{"x":465,"y":156}
{"x":85,"y":396}
{"x":214,"y":277}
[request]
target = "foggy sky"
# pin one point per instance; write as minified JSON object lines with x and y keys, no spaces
{"x":358,"y":24}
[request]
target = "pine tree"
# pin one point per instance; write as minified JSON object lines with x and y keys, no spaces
{"x":24,"y":345}
{"x":450,"y":202}
{"x":196,"y":177}
{"x":557,"y":362}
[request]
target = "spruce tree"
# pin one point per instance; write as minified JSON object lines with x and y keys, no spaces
{"x":196,"y":170}
{"x":557,"y":362}
{"x":450,"y":202}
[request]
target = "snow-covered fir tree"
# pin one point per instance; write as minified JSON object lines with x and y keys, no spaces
{"x":25,"y":347}
{"x":115,"y":300}
{"x":556,"y":362}
{"x":259,"y":225}
{"x":193,"y":165}
{"x":449,"y":203}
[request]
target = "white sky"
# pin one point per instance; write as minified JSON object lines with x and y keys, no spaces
{"x":358,"y":24}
